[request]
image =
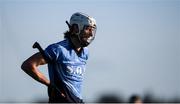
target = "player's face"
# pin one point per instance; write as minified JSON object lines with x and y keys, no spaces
{"x":87,"y":32}
{"x":87,"y":35}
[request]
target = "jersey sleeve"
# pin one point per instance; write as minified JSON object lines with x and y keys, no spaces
{"x":53,"y":52}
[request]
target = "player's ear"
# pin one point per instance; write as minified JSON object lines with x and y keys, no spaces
{"x":74,"y":29}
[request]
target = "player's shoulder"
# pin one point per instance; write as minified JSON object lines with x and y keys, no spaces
{"x":63,"y":43}
{"x":60,"y":44}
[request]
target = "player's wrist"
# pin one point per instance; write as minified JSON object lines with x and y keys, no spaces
{"x":47,"y":83}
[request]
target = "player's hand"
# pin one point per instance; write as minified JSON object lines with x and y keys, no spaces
{"x":52,"y":90}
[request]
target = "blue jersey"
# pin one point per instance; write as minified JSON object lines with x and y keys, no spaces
{"x":66,"y":65}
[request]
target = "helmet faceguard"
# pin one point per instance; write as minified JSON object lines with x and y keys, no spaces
{"x":87,"y":38}
{"x":83,"y":21}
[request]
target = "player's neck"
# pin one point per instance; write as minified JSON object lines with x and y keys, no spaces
{"x":78,"y":50}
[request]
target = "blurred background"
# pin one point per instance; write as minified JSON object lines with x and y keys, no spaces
{"x":136,"y":50}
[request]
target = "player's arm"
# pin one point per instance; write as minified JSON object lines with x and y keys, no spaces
{"x":30,"y":66}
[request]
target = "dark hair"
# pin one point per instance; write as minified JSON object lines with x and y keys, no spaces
{"x":67,"y":34}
